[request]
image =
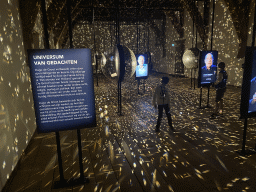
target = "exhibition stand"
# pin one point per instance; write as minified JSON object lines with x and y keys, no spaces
{"x":208,"y":96}
{"x":63,"y":91}
{"x":247,"y":109}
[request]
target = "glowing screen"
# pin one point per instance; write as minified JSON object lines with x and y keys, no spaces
{"x":142,"y":66}
{"x":63,"y":90}
{"x":208,"y":67}
{"x":248,"y":93}
{"x":252,"y":98}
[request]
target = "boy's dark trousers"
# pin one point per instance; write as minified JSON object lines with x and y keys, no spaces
{"x":160,"y":115}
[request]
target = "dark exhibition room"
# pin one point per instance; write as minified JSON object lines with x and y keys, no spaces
{"x":127,"y":95}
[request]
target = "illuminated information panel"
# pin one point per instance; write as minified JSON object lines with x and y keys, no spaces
{"x":62,"y":83}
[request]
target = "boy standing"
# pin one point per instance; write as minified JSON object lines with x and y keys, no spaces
{"x":161,"y":99}
{"x":220,"y":86}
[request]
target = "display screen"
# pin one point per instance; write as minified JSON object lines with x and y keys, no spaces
{"x":142,"y":66}
{"x":251,"y":65}
{"x":252,"y":97}
{"x":207,"y":67}
{"x":248,"y":93}
{"x":63,"y":91}
{"x":252,"y":100}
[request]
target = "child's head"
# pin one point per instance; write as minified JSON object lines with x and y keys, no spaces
{"x":221,"y":65}
{"x":165,"y":80}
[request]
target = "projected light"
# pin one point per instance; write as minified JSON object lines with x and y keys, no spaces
{"x":17,"y":120}
{"x":190,"y":58}
{"x":118,"y":52}
{"x":103,"y":60}
{"x":94,"y":55}
{"x":13,"y":126}
{"x":130,"y":63}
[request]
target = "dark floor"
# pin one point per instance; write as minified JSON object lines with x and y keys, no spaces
{"x":123,"y":153}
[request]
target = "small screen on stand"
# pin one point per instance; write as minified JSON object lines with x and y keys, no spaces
{"x":207,"y":67}
{"x":248,"y":93}
{"x":142,"y":66}
{"x":252,"y":97}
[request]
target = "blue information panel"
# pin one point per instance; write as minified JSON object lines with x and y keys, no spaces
{"x":63,"y":90}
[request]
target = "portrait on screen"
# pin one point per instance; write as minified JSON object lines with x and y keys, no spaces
{"x":248,"y":93}
{"x":252,"y":99}
{"x":208,"y":66}
{"x":142,"y":66}
{"x":252,"y":95}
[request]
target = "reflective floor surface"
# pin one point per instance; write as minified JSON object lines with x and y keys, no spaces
{"x":124,"y":153}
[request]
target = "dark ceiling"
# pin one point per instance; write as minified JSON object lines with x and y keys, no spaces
{"x":132,"y":11}
{"x":141,"y":4}
{"x":128,"y":10}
